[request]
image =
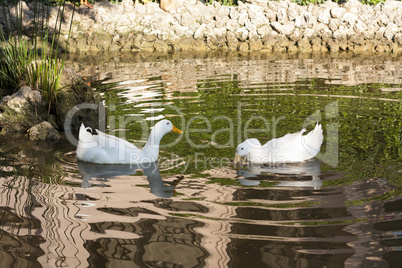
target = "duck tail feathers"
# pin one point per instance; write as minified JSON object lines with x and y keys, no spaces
{"x":313,"y":140}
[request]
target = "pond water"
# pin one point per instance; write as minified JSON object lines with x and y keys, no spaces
{"x":194,"y":208}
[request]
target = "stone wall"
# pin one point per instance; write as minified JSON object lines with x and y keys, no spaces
{"x":254,"y":25}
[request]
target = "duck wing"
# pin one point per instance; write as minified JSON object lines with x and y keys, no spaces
{"x":118,"y":151}
{"x":97,"y":147}
{"x":294,"y":147}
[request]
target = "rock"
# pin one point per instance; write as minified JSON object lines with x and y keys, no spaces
{"x":216,"y":42}
{"x":255,"y":42}
{"x":296,"y":36}
{"x":390,"y":31}
{"x":268,"y":43}
{"x":232,"y":25}
{"x":311,"y":20}
{"x":300,"y":22}
{"x":22,"y":110}
{"x":391,"y":6}
{"x":309,"y":33}
{"x":257,"y":18}
{"x":360,"y":27}
{"x":161,"y":46}
{"x":271,"y":14}
{"x":265,"y":31}
{"x":282,"y":16}
{"x":243,"y":46}
{"x":186,"y":19}
{"x":294,"y":11}
{"x":201,"y":31}
{"x":79,"y":104}
{"x":206,"y":15}
{"x":334,"y":25}
{"x":338,"y":12}
{"x":398,"y":21}
{"x":222,"y":21}
{"x":250,"y":27}
{"x":398,"y":38}
{"x":190,"y":44}
{"x":330,"y":4}
{"x":286,"y":29}
{"x":127,"y":5}
{"x":381,"y":18}
{"x":382,"y":48}
{"x":242,"y":19}
{"x":233,"y":13}
{"x":350,"y":19}
{"x":324,"y":17}
{"x":242,"y":34}
{"x":353,"y":6}
{"x":282,"y":44}
{"x":380,"y":33}
{"x":140,"y":9}
{"x":340,"y":34}
{"x":316,"y":44}
{"x":232,"y":40}
{"x":333,"y":45}
{"x":43,"y":131}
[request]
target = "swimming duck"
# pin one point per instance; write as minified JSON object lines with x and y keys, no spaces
{"x":291,"y":148}
{"x":97,"y":147}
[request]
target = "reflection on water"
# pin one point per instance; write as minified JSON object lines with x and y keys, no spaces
{"x":102,"y":173}
{"x":305,"y":174}
{"x":169,"y":242}
{"x":193,"y":208}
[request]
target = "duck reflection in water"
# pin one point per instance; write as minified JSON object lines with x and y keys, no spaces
{"x":160,"y":188}
{"x":306,"y":174}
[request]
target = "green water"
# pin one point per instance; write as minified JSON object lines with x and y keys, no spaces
{"x":362,"y":123}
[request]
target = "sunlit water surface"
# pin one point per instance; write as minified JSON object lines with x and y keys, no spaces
{"x":194,"y":208}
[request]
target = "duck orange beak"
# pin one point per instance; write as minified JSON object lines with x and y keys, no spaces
{"x":176,"y":130}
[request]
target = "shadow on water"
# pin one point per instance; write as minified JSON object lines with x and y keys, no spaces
{"x":190,"y":209}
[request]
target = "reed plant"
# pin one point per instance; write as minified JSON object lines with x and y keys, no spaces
{"x":34,"y":61}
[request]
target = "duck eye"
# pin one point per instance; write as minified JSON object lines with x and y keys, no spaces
{"x":241,"y":148}
{"x":89,"y":130}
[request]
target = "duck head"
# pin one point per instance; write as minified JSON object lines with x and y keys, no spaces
{"x":86,"y":134}
{"x":244,"y":148}
{"x":165,"y":126}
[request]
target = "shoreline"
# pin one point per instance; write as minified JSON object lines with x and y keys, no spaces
{"x":259,"y":25}
{"x":263,"y":25}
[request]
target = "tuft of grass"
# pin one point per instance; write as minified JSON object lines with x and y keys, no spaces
{"x":45,"y":75}
{"x":14,"y":56}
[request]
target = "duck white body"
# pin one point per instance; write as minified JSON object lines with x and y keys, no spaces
{"x":290,"y":148}
{"x":97,"y":147}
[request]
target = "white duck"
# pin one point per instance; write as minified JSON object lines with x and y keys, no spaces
{"x":290,"y":148}
{"x":97,"y":147}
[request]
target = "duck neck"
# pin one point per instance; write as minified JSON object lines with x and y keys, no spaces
{"x":151,"y":149}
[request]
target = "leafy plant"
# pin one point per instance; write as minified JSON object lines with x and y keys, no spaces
{"x":372,"y":2}
{"x":34,"y":63}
